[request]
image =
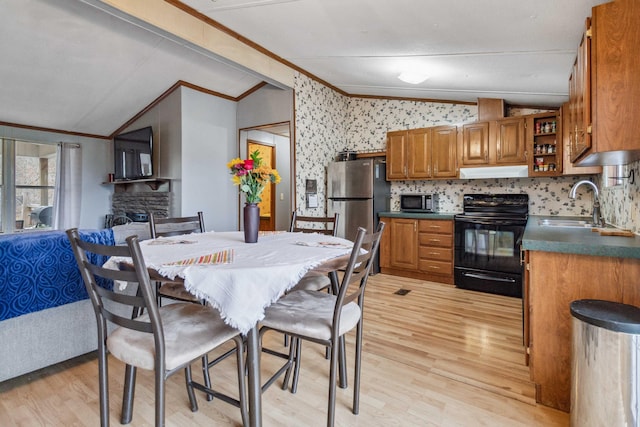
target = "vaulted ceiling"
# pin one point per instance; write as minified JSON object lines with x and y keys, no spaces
{"x":72,"y":66}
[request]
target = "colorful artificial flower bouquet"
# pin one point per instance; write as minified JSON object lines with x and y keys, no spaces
{"x":252,"y":176}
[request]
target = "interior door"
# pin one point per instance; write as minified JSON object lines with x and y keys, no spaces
{"x":267,"y":205}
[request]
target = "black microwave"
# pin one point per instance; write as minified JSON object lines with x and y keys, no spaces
{"x":419,"y":203}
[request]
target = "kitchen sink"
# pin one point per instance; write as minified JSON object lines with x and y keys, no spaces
{"x":575,"y":223}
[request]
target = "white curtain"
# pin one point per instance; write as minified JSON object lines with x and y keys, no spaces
{"x":68,"y":193}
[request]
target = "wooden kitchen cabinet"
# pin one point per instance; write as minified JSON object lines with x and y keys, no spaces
{"x":444,"y":146}
{"x":397,"y":142}
{"x":499,"y":142}
{"x":544,"y":142}
{"x":569,"y":168}
{"x":403,"y":243}
{"x":435,"y":249}
{"x":418,"y":154}
{"x":425,"y":153}
{"x":474,"y":149}
{"x":509,"y":141}
{"x":418,"y":248}
{"x":606,"y":88}
{"x":552,"y":282}
{"x":580,"y":98}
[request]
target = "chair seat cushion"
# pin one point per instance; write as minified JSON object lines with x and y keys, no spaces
{"x":190,"y":330}
{"x":312,"y":283}
{"x":309,"y":314}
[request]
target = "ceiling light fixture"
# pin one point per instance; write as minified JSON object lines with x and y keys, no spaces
{"x":413,"y":77}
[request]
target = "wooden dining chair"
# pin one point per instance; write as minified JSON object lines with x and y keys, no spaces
{"x":324,"y":318}
{"x":163,"y":339}
{"x":176,"y":226}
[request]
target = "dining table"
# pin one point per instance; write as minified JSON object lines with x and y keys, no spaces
{"x":241,"y":279}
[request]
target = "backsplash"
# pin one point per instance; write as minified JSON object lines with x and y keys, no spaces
{"x":621,"y":204}
{"x":547,"y":196}
{"x":327,"y":122}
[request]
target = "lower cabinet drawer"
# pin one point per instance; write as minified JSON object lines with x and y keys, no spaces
{"x":432,"y":239}
{"x":441,"y":254}
{"x":437,"y":267}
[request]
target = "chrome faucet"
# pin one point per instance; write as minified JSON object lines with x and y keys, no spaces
{"x":598,"y":221}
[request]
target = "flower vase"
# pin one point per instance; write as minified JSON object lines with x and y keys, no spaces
{"x":251,"y":222}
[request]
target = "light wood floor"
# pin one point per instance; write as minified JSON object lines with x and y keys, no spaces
{"x":438,"y":356}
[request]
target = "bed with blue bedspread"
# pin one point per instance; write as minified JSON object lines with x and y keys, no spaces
{"x":45,"y":314}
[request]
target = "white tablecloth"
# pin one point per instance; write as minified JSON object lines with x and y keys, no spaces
{"x":256,"y":277}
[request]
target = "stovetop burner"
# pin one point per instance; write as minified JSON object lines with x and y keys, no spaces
{"x":494,"y":205}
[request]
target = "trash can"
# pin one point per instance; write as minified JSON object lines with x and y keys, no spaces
{"x":605,"y":364}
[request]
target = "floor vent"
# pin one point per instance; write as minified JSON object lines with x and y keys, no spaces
{"x":402,"y":291}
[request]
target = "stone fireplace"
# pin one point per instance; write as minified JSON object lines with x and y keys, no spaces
{"x":142,"y":198}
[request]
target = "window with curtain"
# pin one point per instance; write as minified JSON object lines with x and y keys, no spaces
{"x":27,"y":185}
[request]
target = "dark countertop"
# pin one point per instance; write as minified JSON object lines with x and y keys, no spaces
{"x":573,"y":240}
{"x":412,"y":215}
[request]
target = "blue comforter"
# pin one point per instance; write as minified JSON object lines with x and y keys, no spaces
{"x":38,"y":270}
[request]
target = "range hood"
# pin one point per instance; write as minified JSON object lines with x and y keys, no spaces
{"x":520,"y":171}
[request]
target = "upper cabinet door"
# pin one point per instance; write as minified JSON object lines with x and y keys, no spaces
{"x":510,"y":141}
{"x":580,"y":97}
{"x":565,"y":138}
{"x":419,"y":154}
{"x":444,"y":141}
{"x":615,"y":83}
{"x":397,"y":142}
{"x":475,"y":144}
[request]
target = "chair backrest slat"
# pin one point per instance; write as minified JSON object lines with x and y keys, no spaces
{"x":354,"y":280}
{"x":314,"y":224}
{"x":166,"y":227}
{"x":108,"y":304}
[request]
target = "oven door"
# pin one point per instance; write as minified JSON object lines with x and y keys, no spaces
{"x":489,"y":244}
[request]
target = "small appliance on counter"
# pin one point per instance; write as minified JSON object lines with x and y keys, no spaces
{"x":419,"y":203}
{"x":346,"y":155}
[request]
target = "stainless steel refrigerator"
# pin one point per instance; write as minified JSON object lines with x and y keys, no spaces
{"x":357,"y":190}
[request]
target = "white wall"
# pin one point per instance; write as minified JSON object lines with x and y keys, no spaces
{"x":266,"y":106}
{"x":165,"y":120}
{"x":209,"y":141}
{"x":283,"y":157}
{"x":194,"y":137}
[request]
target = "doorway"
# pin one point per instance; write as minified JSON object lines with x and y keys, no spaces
{"x":267,"y":204}
{"x":276,"y":136}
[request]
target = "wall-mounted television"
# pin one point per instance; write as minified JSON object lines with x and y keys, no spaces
{"x":133,"y":154}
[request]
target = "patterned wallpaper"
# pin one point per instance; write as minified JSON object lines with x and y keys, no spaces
{"x":321,"y":128}
{"x":327,"y":122}
{"x":621,"y":204}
